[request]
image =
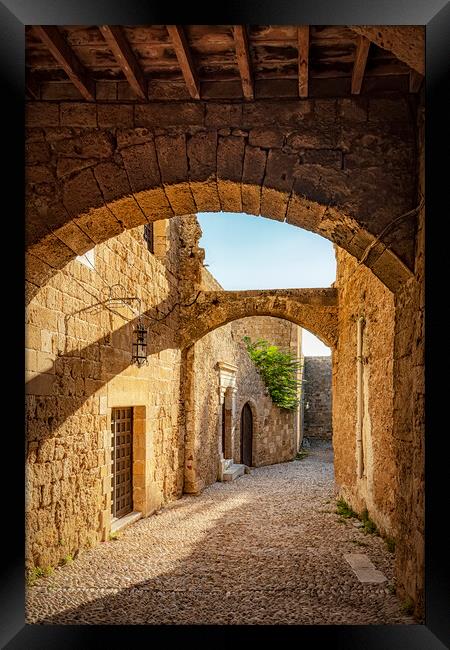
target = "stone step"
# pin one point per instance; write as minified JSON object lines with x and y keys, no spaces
{"x":233,"y":472}
{"x":227,"y":463}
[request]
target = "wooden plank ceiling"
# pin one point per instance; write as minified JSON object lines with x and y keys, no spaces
{"x":157,"y":62}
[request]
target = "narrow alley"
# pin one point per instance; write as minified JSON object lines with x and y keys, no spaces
{"x":267,"y":548}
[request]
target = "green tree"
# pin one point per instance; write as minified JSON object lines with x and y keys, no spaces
{"x":279,"y":371}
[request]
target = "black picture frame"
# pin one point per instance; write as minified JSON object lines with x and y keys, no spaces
{"x":435,"y":15}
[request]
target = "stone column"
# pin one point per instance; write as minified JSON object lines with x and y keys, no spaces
{"x":230,"y":397}
{"x":227,"y":395}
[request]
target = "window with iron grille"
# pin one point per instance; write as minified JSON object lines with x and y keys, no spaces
{"x":148,"y":236}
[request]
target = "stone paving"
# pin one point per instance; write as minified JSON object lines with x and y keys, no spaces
{"x":267,"y":548}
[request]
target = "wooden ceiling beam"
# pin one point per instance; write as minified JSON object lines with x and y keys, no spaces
{"x":362,"y":50}
{"x":126,"y":58}
{"x":406,"y":42}
{"x":53,"y":39}
{"x":415,"y":81}
{"x":303,"y":59}
{"x":184,"y":57}
{"x":243,"y":59}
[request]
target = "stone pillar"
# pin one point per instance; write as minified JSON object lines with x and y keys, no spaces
{"x":230,"y":405}
{"x":222,"y":390}
{"x":227,"y":395}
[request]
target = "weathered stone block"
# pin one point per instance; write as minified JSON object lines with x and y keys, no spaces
{"x":106,"y":90}
{"x":172,"y":159}
{"x":223,"y":115}
{"x":115,"y":115}
{"x":154,"y":204}
{"x":354,"y":109}
{"x":141,"y":164}
{"x":37,"y":272}
{"x":325,"y":157}
{"x":202,"y":152}
{"x":41,"y":114}
{"x":230,"y":196}
{"x":81,"y":192}
{"x":39,"y":174}
{"x":266,"y":138}
{"x":325,"y":109}
{"x":75,"y":238}
{"x":230,"y":158}
{"x":388,"y":110}
{"x":269,"y":113}
{"x":279,"y":170}
{"x":73,"y":114}
{"x":129,"y":137}
{"x":205,"y":195}
{"x":99,"y":224}
{"x":36,"y":153}
{"x":180,"y":198}
{"x":112,"y":180}
{"x":312,"y":137}
{"x":92,"y":144}
{"x":166,"y":114}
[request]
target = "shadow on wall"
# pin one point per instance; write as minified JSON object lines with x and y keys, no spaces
{"x":97,"y":363}
{"x":235,"y":569}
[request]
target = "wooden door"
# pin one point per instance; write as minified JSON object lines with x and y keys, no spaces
{"x":246,"y":435}
{"x":121,"y":461}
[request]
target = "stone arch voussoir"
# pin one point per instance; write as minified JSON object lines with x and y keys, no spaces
{"x":339,"y":168}
{"x":314,"y":309}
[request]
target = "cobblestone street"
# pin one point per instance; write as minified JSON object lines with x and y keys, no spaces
{"x":265,"y":549}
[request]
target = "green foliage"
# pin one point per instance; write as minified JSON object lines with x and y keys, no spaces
{"x":114,"y":536}
{"x":345,"y":510}
{"x":390,"y":543}
{"x":278,"y":369}
{"x":408,"y":606}
{"x":300,"y":455}
{"x":67,"y":559}
{"x":38,"y":572}
{"x":369,"y":525}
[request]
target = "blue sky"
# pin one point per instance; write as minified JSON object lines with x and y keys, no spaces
{"x":247,"y":252}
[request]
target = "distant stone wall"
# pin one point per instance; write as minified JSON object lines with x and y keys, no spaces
{"x":277,"y":434}
{"x":275,"y":429}
{"x":317,"y":417}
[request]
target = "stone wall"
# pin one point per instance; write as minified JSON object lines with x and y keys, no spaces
{"x":363,"y":295}
{"x":276,"y":437}
{"x":393,"y":386}
{"x":409,"y":411}
{"x":78,"y":340}
{"x":79,"y":344}
{"x":275,"y":430}
{"x":342,"y":168}
{"x":317,"y":398}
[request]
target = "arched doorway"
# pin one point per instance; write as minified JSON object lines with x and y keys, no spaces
{"x":246,"y":435}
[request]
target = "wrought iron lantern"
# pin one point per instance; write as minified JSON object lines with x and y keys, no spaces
{"x":139,"y":356}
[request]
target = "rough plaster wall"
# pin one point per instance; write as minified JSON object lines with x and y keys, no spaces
{"x":78,"y":355}
{"x":362,"y":294}
{"x":409,"y":414}
{"x":317,"y":395}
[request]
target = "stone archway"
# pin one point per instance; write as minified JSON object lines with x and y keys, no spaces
{"x":314,"y":309}
{"x":342,"y":168}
